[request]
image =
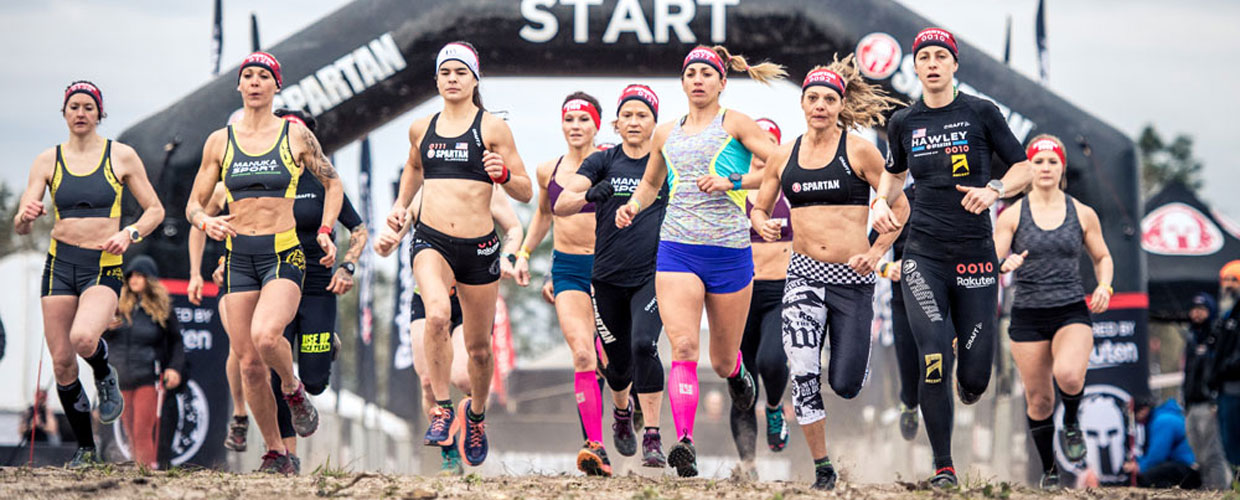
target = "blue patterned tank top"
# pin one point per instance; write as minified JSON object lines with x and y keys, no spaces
{"x":694,"y":217}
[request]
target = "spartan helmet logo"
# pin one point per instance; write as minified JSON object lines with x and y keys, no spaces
{"x":1106,"y":433}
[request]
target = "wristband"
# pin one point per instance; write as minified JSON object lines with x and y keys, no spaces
{"x":503,"y":176}
{"x":523,"y":254}
{"x":1110,"y":291}
{"x":884,"y":198}
{"x":221,"y":261}
{"x":325,"y":230}
{"x":637,"y":205}
{"x":203,"y":226}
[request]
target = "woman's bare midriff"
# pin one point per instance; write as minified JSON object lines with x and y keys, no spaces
{"x":85,"y":232}
{"x":830,"y":233}
{"x":262,"y":216}
{"x":456,"y":207}
{"x":770,"y":260}
{"x":574,"y":233}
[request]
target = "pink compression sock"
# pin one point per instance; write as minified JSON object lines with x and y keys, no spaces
{"x":683,"y":386}
{"x":589,"y":404}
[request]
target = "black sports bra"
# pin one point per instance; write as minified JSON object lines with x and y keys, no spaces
{"x":834,"y":184}
{"x":95,"y":194}
{"x":270,"y":174}
{"x":457,"y":157}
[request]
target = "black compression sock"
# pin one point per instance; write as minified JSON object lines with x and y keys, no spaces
{"x":77,"y":410}
{"x":943,"y":462}
{"x":650,"y":430}
{"x":820,"y":463}
{"x":445,"y":404}
{"x":473,"y":417}
{"x":1043,"y":432}
{"x":624,"y":412}
{"x":1071,"y":403}
{"x":99,"y":360}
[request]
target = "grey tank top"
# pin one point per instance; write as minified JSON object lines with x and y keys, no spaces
{"x":1051,"y":274}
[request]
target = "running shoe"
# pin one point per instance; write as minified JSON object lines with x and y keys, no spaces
{"x":111,"y":402}
{"x":743,"y":390}
{"x":296,"y":462}
{"x":83,"y":457}
{"x":908,"y":422}
{"x":684,"y":458}
{"x":945,"y":477}
{"x":1073,"y":442}
{"x":592,"y":460}
{"x":965,"y":397}
{"x":451,"y":465}
{"x":443,"y":427}
{"x":473,"y":437}
{"x":622,"y":431}
{"x":275,"y":462}
{"x":652,"y":450}
{"x":745,"y":471}
{"x":1050,"y":481}
{"x":824,"y":478}
{"x":776,"y":429}
{"x":305,"y":417}
{"x":237,"y":431}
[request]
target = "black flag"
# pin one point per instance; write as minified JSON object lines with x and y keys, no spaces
{"x":1044,"y":63}
{"x":1007,"y":42}
{"x":365,"y":299}
{"x":217,"y":37}
{"x":254,"y":45}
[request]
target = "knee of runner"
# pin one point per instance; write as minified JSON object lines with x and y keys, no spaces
{"x":684,"y":352}
{"x":84,"y":343}
{"x":847,"y":389}
{"x":315,"y":388}
{"x":460,"y":380}
{"x":724,"y":368}
{"x":1040,"y":405}
{"x":974,"y":387}
{"x":479,"y":352}
{"x":1070,"y":378}
{"x":253,"y":368}
{"x":584,"y":359}
{"x":438,"y":323}
{"x":65,"y":369}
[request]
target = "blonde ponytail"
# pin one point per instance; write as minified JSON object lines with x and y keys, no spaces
{"x":865,"y":104}
{"x":765,"y":72}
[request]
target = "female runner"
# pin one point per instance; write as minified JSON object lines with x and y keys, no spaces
{"x":461,"y":153}
{"x":623,"y":277}
{"x":265,"y":262}
{"x":1052,"y":335}
{"x":826,"y":175}
{"x":947,"y":140}
{"x":82,"y":275}
{"x":704,"y":256}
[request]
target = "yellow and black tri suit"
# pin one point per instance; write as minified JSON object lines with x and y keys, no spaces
{"x":69,"y":269}
{"x":253,"y":261}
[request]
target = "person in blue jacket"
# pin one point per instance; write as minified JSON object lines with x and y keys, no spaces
{"x":1168,"y":459}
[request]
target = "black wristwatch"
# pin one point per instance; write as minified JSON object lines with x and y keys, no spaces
{"x":512,"y":258}
{"x":348,"y":267}
{"x":736,"y":181}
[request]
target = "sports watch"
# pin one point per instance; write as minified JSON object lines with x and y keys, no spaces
{"x":348,"y":267}
{"x":736,"y":180}
{"x":512,"y":258}
{"x":996,"y":185}
{"x":134,"y":235}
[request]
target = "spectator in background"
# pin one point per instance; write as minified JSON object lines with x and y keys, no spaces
{"x":1168,"y":460}
{"x":1201,"y":412}
{"x":39,"y":416}
{"x":1226,"y":375}
{"x":146,"y":343}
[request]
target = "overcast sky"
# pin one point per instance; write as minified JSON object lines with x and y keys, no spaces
{"x":1130,"y":62}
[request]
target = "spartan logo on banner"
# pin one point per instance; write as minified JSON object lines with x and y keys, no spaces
{"x":1102,"y":418}
{"x":1179,"y":229}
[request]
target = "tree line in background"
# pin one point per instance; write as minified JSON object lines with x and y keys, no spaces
{"x":1165,"y":162}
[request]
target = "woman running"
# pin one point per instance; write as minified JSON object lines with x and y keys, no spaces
{"x":572,"y":261}
{"x":827,"y":175}
{"x":265,"y":260}
{"x":762,"y":351}
{"x":82,"y":275}
{"x":704,"y":256}
{"x":623,"y":278}
{"x":461,"y":153}
{"x":1052,"y":335}
{"x":146,"y":339}
{"x":947,"y":140}
{"x":387,"y":242}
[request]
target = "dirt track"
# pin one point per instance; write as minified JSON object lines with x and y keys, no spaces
{"x":110,"y":482}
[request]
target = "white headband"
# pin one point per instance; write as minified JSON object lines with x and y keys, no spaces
{"x":458,"y":52}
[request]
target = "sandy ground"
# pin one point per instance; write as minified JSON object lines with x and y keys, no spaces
{"x":114,"y":482}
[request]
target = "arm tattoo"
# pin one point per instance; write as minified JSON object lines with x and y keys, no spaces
{"x":193,"y":214}
{"x":357,"y":242}
{"x":316,"y":161}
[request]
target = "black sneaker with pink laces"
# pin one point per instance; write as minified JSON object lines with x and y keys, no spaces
{"x":305,"y":417}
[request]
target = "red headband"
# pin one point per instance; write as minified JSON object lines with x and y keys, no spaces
{"x":825,"y":78}
{"x":1046,"y":144}
{"x":295,"y":119}
{"x":265,"y":61}
{"x":707,"y":56}
{"x":88,"y":89}
{"x":581,"y":105}
{"x":770,"y":126}
{"x":937,"y":37}
{"x":640,"y":93}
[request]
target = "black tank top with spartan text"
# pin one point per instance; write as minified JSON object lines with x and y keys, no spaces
{"x":457,"y":157}
{"x":833,"y":184}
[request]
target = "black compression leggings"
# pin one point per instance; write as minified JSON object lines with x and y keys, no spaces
{"x":310,"y":335}
{"x":952,"y":298}
{"x":762,"y":352}
{"x":629,"y":325}
{"x":907,"y":362}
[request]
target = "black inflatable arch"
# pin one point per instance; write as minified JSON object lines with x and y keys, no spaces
{"x":372,"y":60}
